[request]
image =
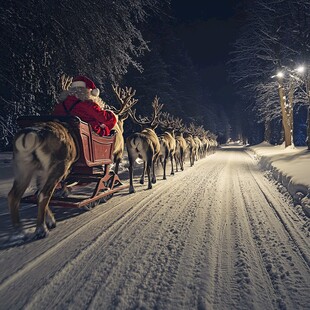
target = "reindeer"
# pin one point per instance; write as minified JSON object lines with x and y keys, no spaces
{"x":198,"y":148}
{"x":144,"y":145}
{"x":181,"y":145}
{"x":205,"y":140}
{"x":167,"y":142}
{"x":125,"y":98}
{"x":213,"y":144}
{"x":45,"y":150}
{"x":197,"y":143}
{"x":191,"y":145}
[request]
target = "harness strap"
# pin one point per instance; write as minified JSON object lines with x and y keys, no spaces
{"x":72,"y":107}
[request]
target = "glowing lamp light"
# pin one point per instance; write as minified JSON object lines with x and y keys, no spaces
{"x":280,"y":74}
{"x":300,"y":69}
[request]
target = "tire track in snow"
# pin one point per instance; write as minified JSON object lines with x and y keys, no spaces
{"x":231,"y":278}
{"x":274,"y":243}
{"x":80,"y":233}
{"x":167,"y":261}
{"x":109,"y":285}
{"x":86,"y":255}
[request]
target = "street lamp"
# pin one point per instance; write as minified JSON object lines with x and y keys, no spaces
{"x":297,"y":77}
{"x":280,"y":75}
{"x":286,"y":104}
{"x":300,"y":69}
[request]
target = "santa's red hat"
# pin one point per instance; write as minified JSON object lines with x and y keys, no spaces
{"x":83,"y":81}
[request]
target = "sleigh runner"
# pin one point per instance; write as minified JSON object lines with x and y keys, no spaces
{"x":90,"y":181}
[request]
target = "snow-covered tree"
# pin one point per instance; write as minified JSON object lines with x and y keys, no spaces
{"x":274,"y":38}
{"x":43,"y":39}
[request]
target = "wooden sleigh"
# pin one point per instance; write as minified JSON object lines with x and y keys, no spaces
{"x":90,"y":181}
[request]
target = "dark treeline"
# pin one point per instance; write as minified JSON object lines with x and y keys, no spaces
{"x":130,"y":43}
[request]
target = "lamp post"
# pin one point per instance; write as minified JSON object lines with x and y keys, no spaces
{"x":286,"y":104}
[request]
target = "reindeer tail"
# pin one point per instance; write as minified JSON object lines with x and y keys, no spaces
{"x":137,"y":143}
{"x":27,"y":141}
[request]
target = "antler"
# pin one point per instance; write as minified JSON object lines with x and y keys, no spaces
{"x":200,"y":132}
{"x":125,"y":97}
{"x":156,"y":109}
{"x":145,"y":121}
{"x":66,"y":81}
{"x":192,"y":129}
{"x":138,"y":120}
{"x":177,"y":124}
{"x":164,"y":120}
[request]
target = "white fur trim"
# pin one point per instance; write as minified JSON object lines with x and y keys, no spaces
{"x":78,"y":84}
{"x":95,"y":92}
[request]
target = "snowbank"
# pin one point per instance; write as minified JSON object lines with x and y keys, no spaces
{"x":290,"y":167}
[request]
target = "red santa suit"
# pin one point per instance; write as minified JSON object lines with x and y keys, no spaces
{"x":82,"y":100}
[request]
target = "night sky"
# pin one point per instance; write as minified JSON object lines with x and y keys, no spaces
{"x":208,"y":29}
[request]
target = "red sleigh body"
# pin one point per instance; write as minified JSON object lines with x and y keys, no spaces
{"x":91,"y":181}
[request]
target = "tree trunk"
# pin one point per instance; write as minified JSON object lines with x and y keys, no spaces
{"x":290,"y":111}
{"x":285,"y":119}
{"x":308,"y":128}
{"x":267,"y":132}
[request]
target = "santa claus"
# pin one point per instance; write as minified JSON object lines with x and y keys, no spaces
{"x":82,"y":100}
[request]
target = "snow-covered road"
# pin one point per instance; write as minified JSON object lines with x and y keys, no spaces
{"x":218,"y":235}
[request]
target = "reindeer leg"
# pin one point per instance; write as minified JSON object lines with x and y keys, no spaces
{"x":148,"y":169}
{"x":171,"y":159}
{"x":45,"y":218}
{"x":176,"y":162}
{"x":117,"y":162}
{"x":49,"y":218}
{"x":21,"y":182}
{"x":143,"y":173}
{"x":41,"y":229}
{"x":182,"y":161}
{"x":131,"y":165}
{"x":153,"y":171}
{"x":14,"y":197}
{"x":164,"y":168}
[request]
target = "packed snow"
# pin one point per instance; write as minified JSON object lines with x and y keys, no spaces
{"x":231,"y":232}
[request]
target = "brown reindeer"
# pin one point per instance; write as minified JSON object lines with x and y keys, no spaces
{"x":197,"y":143}
{"x":167,"y":142}
{"x":45,"y":150}
{"x":125,"y":98}
{"x":144,"y":145}
{"x":191,"y":146}
{"x":181,"y":145}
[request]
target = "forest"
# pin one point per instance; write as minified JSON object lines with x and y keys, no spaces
{"x":136,"y":44}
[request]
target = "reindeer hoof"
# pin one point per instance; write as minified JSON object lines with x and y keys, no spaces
{"x":50,"y":222}
{"x":164,"y":178}
{"x":141,"y":181}
{"x":51,"y":225}
{"x":19,"y":235}
{"x":41,"y":232}
{"x":131,"y":190}
{"x":150,"y":186}
{"x":154,"y":180}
